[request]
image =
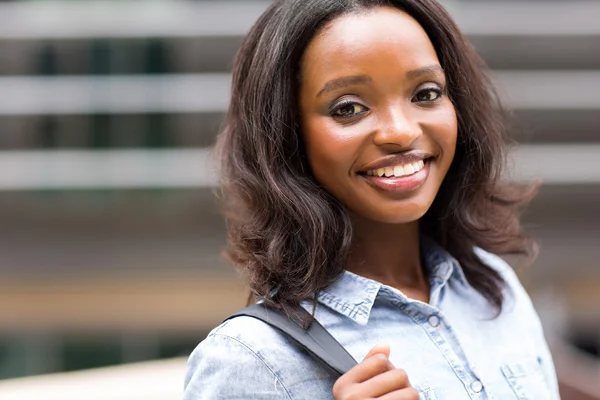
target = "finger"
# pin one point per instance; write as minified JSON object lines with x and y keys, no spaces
{"x":368,"y":368}
{"x":402,"y":394}
{"x":379,"y":349}
{"x":386,"y":382}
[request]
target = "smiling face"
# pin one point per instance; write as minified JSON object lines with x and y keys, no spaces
{"x":379,"y":130}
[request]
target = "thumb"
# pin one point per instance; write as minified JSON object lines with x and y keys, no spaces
{"x":379,"y":349}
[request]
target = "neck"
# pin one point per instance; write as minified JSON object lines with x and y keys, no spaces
{"x":390,"y":254}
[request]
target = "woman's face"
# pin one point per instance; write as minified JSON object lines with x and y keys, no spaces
{"x":379,"y":130}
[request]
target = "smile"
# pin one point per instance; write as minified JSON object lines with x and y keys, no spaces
{"x":398,"y":178}
{"x":398,"y":170}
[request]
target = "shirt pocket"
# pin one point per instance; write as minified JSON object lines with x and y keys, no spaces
{"x":527,"y":380}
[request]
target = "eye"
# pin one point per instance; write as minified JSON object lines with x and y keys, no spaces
{"x":348,"y":109}
{"x":427,"y":95}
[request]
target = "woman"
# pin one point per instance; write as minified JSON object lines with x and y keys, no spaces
{"x":360,"y":165}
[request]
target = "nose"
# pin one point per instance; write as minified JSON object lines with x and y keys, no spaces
{"x":396,"y":127}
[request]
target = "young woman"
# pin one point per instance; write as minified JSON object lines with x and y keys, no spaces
{"x":360,"y":161}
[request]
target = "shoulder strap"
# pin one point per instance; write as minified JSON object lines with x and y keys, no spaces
{"x":316,"y":340}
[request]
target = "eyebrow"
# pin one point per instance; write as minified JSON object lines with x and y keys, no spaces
{"x":362,"y":79}
{"x":344,"y":81}
{"x":430,"y":69}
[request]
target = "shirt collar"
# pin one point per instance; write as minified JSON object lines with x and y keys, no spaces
{"x":353,"y":295}
{"x":439,"y":263}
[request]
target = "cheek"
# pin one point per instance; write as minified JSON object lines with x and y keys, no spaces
{"x":330,"y":149}
{"x":451,"y":137}
{"x":445,"y":133}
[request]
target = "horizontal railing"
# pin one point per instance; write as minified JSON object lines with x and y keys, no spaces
{"x":112,"y":19}
{"x":154,"y":380}
{"x":193,"y":168}
{"x":114,"y":94}
{"x":209,"y":92}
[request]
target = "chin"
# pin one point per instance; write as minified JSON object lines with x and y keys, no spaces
{"x":399,"y":214}
{"x":402,"y":219}
{"x":397,"y":211}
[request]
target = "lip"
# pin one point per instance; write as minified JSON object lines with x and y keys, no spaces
{"x":401,"y":184}
{"x":392,"y":160}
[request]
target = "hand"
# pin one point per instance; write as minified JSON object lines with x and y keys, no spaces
{"x":375,"y":377}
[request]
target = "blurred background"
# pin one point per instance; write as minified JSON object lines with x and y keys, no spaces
{"x":109,"y":233}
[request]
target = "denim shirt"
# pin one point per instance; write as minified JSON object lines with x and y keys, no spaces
{"x":452,"y":348}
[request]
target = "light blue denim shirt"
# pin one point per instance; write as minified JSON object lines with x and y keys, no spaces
{"x":451,"y":348}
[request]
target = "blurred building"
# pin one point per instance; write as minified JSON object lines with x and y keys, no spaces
{"x":109,"y":233}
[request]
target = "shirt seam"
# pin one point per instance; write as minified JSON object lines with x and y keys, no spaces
{"x":339,"y":304}
{"x":262,"y":360}
{"x":356,"y":309}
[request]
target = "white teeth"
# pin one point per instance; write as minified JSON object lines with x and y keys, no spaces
{"x":398,"y":170}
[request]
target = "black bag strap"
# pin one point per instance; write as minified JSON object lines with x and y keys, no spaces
{"x":316,"y":340}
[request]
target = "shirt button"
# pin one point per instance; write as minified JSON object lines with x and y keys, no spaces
{"x":477,"y":386}
{"x":434,"y":321}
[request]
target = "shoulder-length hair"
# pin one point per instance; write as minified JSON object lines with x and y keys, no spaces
{"x":285,"y":231}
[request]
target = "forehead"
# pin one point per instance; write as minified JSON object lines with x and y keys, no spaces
{"x":370,"y":42}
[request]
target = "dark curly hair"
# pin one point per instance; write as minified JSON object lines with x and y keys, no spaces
{"x":287,"y":232}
